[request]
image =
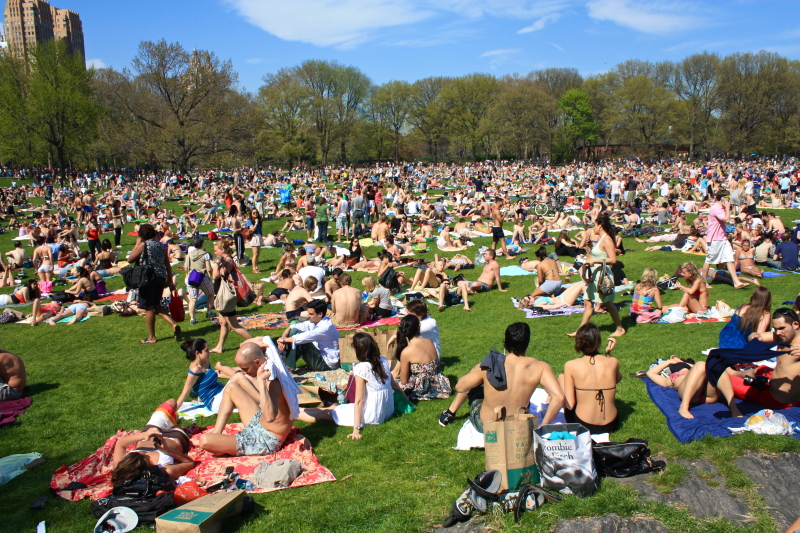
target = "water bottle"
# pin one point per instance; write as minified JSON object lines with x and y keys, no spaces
{"x":319,"y":377}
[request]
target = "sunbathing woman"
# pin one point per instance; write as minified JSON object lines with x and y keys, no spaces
{"x":688,"y":379}
{"x":645,"y":294}
{"x":419,"y":371}
{"x":162,"y":443}
{"x":590,"y":383}
{"x":746,"y":260}
{"x":27,"y":293}
{"x":84,"y":288}
{"x":695,"y":297}
{"x":374,"y":401}
{"x":565,"y":299}
{"x":201,"y":380}
{"x":287,"y":260}
{"x":47,"y":311}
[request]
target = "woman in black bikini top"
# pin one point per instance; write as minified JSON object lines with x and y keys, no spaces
{"x":592,"y":373}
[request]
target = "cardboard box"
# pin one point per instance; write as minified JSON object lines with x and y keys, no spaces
{"x":347,"y":355}
{"x":509,"y":449}
{"x":204,"y":515}
{"x":314,"y":396}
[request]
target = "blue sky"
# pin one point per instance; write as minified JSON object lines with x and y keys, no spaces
{"x":413,"y":39}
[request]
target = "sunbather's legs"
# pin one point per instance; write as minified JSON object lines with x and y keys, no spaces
{"x":689,"y":389}
{"x":726,"y":389}
{"x":315,"y":414}
{"x":234,"y":396}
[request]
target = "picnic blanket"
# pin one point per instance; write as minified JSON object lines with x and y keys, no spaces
{"x":11,"y":409}
{"x":561,"y":311}
{"x":94,"y":472}
{"x":709,"y":419}
{"x":260,"y":321}
{"x":390,"y":321}
{"x":114,"y":296}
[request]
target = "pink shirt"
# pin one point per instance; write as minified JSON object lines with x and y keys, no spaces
{"x":716,"y":226}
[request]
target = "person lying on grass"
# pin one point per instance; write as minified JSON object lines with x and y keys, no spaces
{"x":374,"y":401}
{"x":162,"y":444}
{"x":266,"y":397}
{"x":566,"y":298}
{"x":507,"y":381}
{"x":485,"y":282}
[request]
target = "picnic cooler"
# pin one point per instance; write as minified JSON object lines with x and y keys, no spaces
{"x":509,"y":448}
{"x":204,"y":515}
{"x":566,"y":465}
{"x":347,"y":355}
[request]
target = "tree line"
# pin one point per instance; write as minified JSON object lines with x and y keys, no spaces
{"x":181,"y":109}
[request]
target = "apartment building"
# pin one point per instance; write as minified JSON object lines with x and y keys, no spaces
{"x":29,"y":22}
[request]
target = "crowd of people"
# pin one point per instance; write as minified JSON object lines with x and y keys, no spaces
{"x":374,"y":222}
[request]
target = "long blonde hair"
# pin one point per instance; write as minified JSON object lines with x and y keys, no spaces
{"x":649,"y":277}
{"x":369,"y":283}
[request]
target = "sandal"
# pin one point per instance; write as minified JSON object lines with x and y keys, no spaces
{"x":177,"y":333}
{"x":484,"y":489}
{"x":146,"y":341}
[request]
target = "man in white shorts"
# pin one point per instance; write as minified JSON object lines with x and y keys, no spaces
{"x":719,"y":248}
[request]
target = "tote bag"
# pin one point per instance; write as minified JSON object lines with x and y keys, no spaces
{"x":225,"y":301}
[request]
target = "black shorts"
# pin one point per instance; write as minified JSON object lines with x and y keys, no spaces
{"x":278,"y":292}
{"x":293,"y":314}
{"x":228,"y":314}
{"x":497,"y":233}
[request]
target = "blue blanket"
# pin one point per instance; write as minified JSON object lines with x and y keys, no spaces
{"x":515,"y":270}
{"x":709,"y":419}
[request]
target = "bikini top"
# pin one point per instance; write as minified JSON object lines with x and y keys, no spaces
{"x":600,"y":396}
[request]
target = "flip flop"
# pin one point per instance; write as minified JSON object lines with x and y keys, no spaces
{"x":177,"y":333}
{"x":146,"y":341}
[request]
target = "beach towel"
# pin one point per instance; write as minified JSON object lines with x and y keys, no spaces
{"x":261,"y":321}
{"x":94,"y":472}
{"x":561,"y":311}
{"x":390,"y":321}
{"x":11,"y":409}
{"x":709,"y":419}
{"x":515,"y":270}
{"x":768,"y":274}
{"x":192,"y":410}
{"x":114,"y":296}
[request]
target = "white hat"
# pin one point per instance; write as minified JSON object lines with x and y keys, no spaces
{"x":118,"y":519}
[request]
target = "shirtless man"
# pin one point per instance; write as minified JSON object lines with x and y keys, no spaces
{"x":285,"y":286}
{"x":782,"y":391}
{"x":333,"y":284}
{"x":520,"y":377}
{"x":12,"y":376}
{"x":775,"y":225}
{"x":299,"y":296}
{"x":380,"y":229}
{"x":497,"y":229}
{"x":259,"y":396}
{"x":490,"y":274}
{"x":17,"y":256}
{"x":43,"y":260}
{"x":347,"y":307}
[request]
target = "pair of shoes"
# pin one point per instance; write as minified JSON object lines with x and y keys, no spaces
{"x":446,"y":418}
{"x":210,"y":314}
{"x":193,"y":321}
{"x":522,"y":260}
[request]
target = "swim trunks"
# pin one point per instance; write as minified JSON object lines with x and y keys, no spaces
{"x":255,"y":440}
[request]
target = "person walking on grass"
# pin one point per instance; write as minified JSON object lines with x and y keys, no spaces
{"x":719,"y":248}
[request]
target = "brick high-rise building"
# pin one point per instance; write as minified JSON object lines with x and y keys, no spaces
{"x":29,"y":22}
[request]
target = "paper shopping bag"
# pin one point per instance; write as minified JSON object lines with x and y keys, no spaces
{"x":509,"y":449}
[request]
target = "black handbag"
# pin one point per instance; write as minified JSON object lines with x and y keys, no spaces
{"x":624,"y":459}
{"x":140,"y":275}
{"x":149,"y":483}
{"x":389,"y":279}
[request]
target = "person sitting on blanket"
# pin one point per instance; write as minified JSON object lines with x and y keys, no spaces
{"x":549,"y":275}
{"x":316,"y":340}
{"x":299,"y":296}
{"x":566,"y":299}
{"x":781,"y":391}
{"x":162,"y":443}
{"x":347,"y":307}
{"x":419,"y":370}
{"x":374,"y":401}
{"x":485,"y":282}
{"x":645,"y":295}
{"x":689,"y":379}
{"x":695,"y":298}
{"x":12,"y":376}
{"x":590,"y":383}
{"x":201,"y":380}
{"x":507,"y":381}
{"x":266,"y":396}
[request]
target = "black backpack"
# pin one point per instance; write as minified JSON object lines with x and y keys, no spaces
{"x":147,"y":510}
{"x":389,"y":279}
{"x":147,"y":485}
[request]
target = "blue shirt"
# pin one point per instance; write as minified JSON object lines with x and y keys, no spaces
{"x":788,"y":252}
{"x":206,"y":387}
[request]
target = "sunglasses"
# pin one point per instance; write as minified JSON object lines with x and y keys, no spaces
{"x":787,"y":312}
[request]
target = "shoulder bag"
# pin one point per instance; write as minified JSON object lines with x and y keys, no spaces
{"x":225,"y":301}
{"x":625,"y":459}
{"x":605,"y":280}
{"x":140,"y":275}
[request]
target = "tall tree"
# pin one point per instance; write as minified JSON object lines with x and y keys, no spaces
{"x":469,"y":99}
{"x":391,"y":102}
{"x":579,"y":123}
{"x":557,"y":81}
{"x":286,"y":103}
{"x":520,"y":117}
{"x":428,"y":113}
{"x":695,"y":82}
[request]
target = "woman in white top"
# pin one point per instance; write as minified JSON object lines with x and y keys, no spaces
{"x":374,"y":401}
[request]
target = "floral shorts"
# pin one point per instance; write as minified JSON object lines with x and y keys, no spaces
{"x":255,"y":440}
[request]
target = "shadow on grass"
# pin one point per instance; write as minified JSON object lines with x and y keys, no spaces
{"x":38,"y":388}
{"x":318,"y":431}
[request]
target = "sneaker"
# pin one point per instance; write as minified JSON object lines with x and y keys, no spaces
{"x":522,"y":260}
{"x":193,"y":321}
{"x":210,"y":314}
{"x":446,"y":418}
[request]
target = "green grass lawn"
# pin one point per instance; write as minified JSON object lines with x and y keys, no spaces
{"x":93,"y":378}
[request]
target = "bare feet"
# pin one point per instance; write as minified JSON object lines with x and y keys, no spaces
{"x":684,"y":412}
{"x":618,"y":333}
{"x":735,"y":412}
{"x":740,"y":286}
{"x":51,"y":322}
{"x":572,"y":334}
{"x":216,"y":350}
{"x":441,"y":308}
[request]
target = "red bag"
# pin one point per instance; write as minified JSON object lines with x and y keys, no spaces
{"x":176,"y":307}
{"x":212,"y":236}
{"x":244,"y":291}
{"x":188,"y":492}
{"x":350,"y":390}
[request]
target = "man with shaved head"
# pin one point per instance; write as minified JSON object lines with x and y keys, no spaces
{"x":266,"y":397}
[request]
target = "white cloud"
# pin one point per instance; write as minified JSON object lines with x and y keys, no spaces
{"x":347,"y":23}
{"x":500,"y":52}
{"x":95,"y":63}
{"x":541,"y":23}
{"x":647,"y":17}
{"x":254,"y":60}
{"x":557,"y":47}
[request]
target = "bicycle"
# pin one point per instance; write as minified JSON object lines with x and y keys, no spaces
{"x":554,"y":204}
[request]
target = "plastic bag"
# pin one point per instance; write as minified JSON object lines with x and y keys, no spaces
{"x":766,"y":422}
{"x":176,"y":308}
{"x":188,"y":492}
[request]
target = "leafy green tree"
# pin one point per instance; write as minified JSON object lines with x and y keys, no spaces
{"x":694,"y":81}
{"x":468,"y":100}
{"x":521,"y":117}
{"x":429,"y":113}
{"x":579,"y":123}
{"x":391,"y":104}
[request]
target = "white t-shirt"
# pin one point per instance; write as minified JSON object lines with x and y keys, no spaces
{"x":616,"y":186}
{"x":429,"y":329}
{"x":317,"y":272}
